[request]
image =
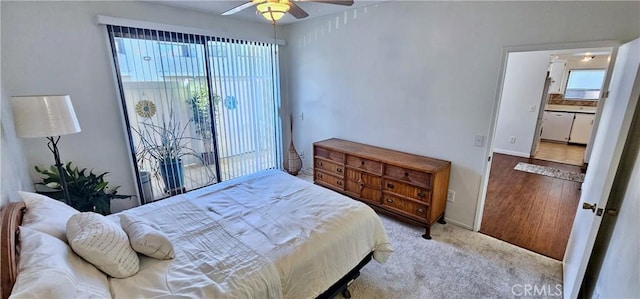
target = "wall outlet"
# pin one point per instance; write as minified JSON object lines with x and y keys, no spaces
{"x":301,"y":154}
{"x":451,"y":195}
{"x":478,"y":141}
{"x":512,"y":139}
{"x":532,"y":108}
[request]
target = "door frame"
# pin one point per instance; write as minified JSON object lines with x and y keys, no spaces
{"x":497,"y":101}
{"x":538,"y":132}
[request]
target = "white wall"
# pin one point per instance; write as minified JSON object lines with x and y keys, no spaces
{"x":523,"y":86}
{"x":421,"y":77}
{"x":14,"y":173}
{"x":55,"y":47}
{"x":14,"y":170}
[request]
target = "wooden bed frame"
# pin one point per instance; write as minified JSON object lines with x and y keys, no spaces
{"x":11,"y":217}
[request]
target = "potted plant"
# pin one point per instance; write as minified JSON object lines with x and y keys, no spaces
{"x":87,"y":192}
{"x":201,"y":116}
{"x":165,"y":143}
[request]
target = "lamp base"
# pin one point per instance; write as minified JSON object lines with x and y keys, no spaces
{"x":62,"y":173}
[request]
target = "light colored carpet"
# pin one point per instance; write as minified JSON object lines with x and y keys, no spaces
{"x":456,"y":263}
{"x":550,"y":172}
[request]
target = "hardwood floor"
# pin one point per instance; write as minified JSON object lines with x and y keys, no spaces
{"x":529,"y":210}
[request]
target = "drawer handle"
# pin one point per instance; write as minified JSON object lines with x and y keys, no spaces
{"x":361,"y":184}
{"x":389,"y":200}
{"x":339,"y":183}
{"x":406,"y":173}
{"x":361,"y":162}
{"x":319,"y":175}
{"x":319,"y":163}
{"x":422,"y":194}
{"x":389,"y":185}
{"x":420,"y":210}
{"x":339,"y":170}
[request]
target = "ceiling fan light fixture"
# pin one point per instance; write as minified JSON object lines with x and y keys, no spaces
{"x":273,"y":10}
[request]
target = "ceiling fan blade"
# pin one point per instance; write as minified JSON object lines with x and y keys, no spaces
{"x":238,"y":8}
{"x":296,"y":11}
{"x":338,"y":2}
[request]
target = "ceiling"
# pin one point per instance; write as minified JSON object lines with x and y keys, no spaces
{"x":218,"y":7}
{"x":584,"y":52}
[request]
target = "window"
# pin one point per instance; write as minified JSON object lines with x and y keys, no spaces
{"x":176,"y":50}
{"x":584,"y":84}
{"x":198,"y":109}
{"x":120,"y":47}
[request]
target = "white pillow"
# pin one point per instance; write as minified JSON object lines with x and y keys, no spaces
{"x":46,"y":214}
{"x":49,"y":269}
{"x":145,"y":239}
{"x":103,"y":243}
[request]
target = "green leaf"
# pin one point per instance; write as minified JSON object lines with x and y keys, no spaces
{"x":87,"y":192}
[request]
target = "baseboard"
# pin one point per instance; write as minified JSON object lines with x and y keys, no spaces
{"x":511,"y":153}
{"x":456,"y":223}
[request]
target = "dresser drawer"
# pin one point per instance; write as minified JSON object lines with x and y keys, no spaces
{"x":327,"y":179}
{"x":363,"y":177}
{"x":405,"y":206}
{"x":371,"y":195}
{"x":361,"y":191}
{"x":407,"y":190}
{"x":329,"y":154}
{"x":403,"y":174}
{"x":336,"y":169}
{"x":364,"y":164}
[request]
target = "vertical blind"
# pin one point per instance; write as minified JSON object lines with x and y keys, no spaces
{"x":199,"y":109}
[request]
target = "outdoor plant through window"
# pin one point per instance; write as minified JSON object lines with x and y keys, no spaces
{"x":201,"y":116}
{"x":199,"y":109}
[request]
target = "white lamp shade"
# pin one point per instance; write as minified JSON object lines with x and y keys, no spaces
{"x":44,"y":116}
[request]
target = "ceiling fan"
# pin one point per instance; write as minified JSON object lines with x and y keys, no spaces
{"x":274,"y":10}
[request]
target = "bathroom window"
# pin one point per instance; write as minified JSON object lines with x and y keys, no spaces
{"x":584,"y":84}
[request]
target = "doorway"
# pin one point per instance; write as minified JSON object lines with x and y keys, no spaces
{"x":569,"y":105}
{"x":536,"y":125}
{"x":529,"y":210}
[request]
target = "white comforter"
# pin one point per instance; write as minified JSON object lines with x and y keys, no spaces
{"x":267,"y":235}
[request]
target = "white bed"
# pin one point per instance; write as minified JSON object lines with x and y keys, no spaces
{"x":266,"y":235}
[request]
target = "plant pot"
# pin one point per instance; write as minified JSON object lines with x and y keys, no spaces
{"x":172,"y":175}
{"x":147,"y":188}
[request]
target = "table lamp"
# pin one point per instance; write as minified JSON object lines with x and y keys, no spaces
{"x":50,"y":117}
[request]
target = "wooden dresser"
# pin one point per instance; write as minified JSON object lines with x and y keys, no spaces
{"x":412,"y":188}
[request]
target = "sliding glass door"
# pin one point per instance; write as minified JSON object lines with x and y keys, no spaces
{"x":199,"y":109}
{"x":246,"y":115}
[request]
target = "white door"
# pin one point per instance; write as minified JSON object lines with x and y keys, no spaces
{"x":582,"y":127}
{"x":615,"y":121}
{"x":556,"y":73}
